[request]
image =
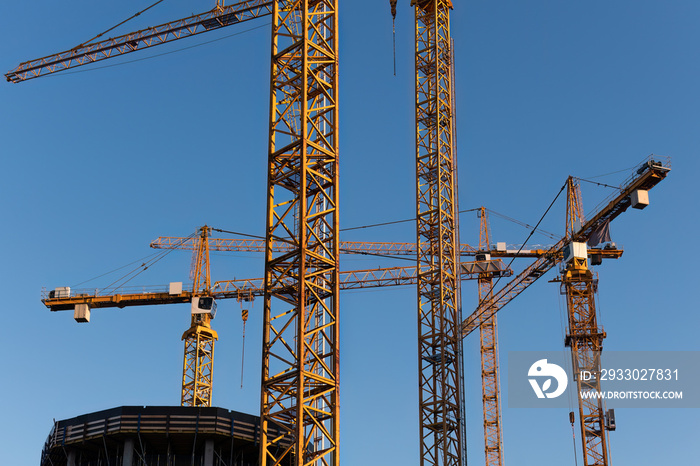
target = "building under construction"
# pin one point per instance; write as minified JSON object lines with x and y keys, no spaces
{"x":155,"y":435}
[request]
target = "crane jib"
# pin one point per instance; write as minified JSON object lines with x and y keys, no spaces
{"x":168,"y":32}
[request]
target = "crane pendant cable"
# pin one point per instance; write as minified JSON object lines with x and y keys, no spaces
{"x":114,"y":27}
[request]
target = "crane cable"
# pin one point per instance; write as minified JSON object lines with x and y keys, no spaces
{"x":563,"y":309}
{"x":393,"y":28}
{"x":614,"y":173}
{"x":598,"y":184}
{"x":490,"y":293}
{"x":114,"y":27}
{"x":360,"y":227}
{"x":573,"y":432}
{"x":115,"y":270}
{"x":524,"y":225}
{"x":244,"y":316}
{"x":364,"y":253}
{"x":138,"y":270}
{"x":95,"y":68}
{"x":394,"y":222}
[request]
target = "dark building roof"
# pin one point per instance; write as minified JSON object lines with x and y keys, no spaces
{"x":171,"y":435}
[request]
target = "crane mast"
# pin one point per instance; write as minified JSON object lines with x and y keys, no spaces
{"x":490,"y":383}
{"x":438,"y":309}
{"x":198,"y":365}
{"x":584,"y":337}
{"x":300,"y":375}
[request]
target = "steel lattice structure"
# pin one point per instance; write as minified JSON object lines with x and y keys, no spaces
{"x":651,"y":173}
{"x":438,"y":315}
{"x":490,"y":383}
{"x":198,"y":365}
{"x":584,"y":336}
{"x":92,"y":52}
{"x":586,"y":341}
{"x":300,"y":338}
{"x":250,"y":287}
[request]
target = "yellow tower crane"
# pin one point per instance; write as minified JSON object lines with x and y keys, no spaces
{"x":300,"y":356}
{"x":198,"y":365}
{"x":579,"y":284}
{"x":648,"y":175}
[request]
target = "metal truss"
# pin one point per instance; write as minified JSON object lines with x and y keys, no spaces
{"x":490,"y":382}
{"x":584,"y":337}
{"x":258,"y":245}
{"x":96,"y":51}
{"x":438,"y":275}
{"x":586,"y":341}
{"x":254,"y":287}
{"x":300,"y":372}
{"x":198,"y":368}
{"x":198,"y":365}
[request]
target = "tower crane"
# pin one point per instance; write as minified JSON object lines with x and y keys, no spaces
{"x":648,"y":175}
{"x":579,"y":284}
{"x":300,"y":374}
{"x":199,"y":339}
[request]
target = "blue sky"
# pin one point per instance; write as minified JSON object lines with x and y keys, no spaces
{"x":99,"y":163}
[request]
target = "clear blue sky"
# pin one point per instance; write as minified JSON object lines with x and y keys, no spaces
{"x":99,"y":163}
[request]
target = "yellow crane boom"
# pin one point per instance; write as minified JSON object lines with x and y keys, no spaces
{"x":93,"y":52}
{"x":244,"y":288}
{"x":390,"y":249}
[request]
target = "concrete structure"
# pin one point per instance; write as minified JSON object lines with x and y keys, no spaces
{"x":154,"y":435}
